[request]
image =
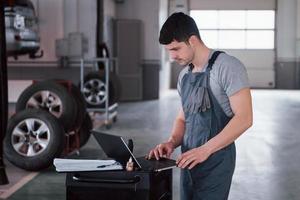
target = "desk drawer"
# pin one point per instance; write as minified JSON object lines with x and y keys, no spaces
{"x":119,"y":185}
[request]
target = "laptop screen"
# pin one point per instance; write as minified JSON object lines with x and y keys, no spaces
{"x":114,"y":146}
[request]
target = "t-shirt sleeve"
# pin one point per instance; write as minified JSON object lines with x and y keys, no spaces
{"x":233,"y":76}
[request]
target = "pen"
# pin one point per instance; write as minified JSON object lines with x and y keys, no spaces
{"x":102,"y":166}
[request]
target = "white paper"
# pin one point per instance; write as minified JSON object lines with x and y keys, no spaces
{"x":70,"y":165}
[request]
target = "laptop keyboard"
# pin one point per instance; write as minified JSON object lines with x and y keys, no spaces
{"x":154,"y":164}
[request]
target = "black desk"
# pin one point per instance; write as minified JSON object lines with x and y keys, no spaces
{"x":119,"y":185}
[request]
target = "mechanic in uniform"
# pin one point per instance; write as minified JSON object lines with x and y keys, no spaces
{"x":216,"y":109}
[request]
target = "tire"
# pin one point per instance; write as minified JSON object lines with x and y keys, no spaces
{"x":81,"y":106}
{"x":94,"y":89}
{"x":56,"y":101}
{"x":20,"y":137}
{"x":117,"y":86}
{"x":84,"y":131}
{"x":79,"y":101}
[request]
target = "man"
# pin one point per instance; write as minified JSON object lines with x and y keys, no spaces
{"x":216,"y":109}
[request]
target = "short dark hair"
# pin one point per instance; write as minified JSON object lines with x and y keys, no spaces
{"x":179,"y":27}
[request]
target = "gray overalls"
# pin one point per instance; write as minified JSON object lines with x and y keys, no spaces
{"x":204,"y":119}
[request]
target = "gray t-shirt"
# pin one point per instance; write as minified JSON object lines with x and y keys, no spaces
{"x":228,"y":76}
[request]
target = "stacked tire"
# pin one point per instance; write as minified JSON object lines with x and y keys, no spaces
{"x":34,"y":137}
{"x":46,"y":112}
{"x":95,"y":89}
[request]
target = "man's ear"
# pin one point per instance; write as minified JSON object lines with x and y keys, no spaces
{"x":192,"y":40}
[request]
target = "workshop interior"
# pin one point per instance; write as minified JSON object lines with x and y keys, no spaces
{"x":89,"y":92}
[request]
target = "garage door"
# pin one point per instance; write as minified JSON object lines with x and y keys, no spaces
{"x":244,"y":29}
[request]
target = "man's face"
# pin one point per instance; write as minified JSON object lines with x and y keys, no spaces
{"x":181,"y":52}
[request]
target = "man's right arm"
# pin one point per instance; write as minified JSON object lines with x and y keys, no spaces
{"x":177,"y":133}
{"x":175,"y":140}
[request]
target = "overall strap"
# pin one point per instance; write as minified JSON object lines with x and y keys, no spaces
{"x":213,"y":59}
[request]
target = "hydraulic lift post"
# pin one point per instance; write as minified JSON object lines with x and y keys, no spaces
{"x":3,"y":92}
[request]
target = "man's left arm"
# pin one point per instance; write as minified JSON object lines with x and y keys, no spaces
{"x":241,"y":105}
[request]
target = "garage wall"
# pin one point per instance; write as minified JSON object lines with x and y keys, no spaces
{"x":109,"y":15}
{"x":286,"y":26}
{"x":164,"y":75}
{"x":179,"y":6}
{"x":146,"y":11}
{"x":298,"y":40}
{"x":287,"y":66}
{"x":259,"y":64}
{"x":109,"y":8}
{"x":83,"y":18}
{"x":298,"y":32}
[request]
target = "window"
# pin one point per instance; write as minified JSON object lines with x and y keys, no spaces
{"x":236,"y":29}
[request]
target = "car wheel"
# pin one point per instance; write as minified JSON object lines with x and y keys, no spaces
{"x":52,"y":97}
{"x":95,"y":89}
{"x":34,"y":138}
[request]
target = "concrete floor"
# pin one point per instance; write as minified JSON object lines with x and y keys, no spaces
{"x":267,"y":154}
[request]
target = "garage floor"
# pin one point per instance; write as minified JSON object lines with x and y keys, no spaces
{"x":267,"y":155}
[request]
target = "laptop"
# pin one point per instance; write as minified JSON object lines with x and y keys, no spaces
{"x":115,"y":147}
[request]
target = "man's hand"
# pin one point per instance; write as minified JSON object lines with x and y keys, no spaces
{"x":162,"y":150}
{"x":193,"y":157}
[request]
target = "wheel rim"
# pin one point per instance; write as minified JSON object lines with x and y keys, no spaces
{"x":48,"y":101}
{"x":30,"y":137}
{"x":94,"y":92}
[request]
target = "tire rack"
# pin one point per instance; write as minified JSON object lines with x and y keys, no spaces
{"x":110,"y":112}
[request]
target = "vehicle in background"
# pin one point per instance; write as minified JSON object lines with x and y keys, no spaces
{"x":21,"y":29}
